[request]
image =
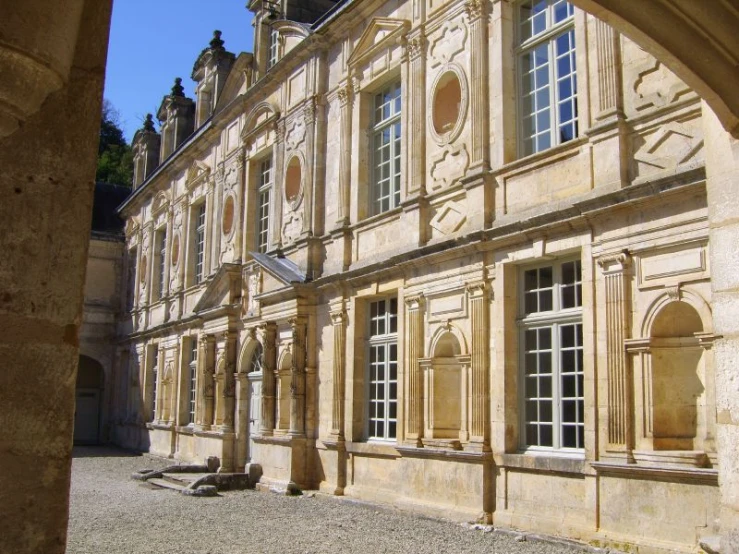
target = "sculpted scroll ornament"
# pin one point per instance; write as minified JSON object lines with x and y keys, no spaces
{"x":451,"y":41}
{"x":253,"y":287}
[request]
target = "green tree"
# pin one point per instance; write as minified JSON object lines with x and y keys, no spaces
{"x":115,"y":159}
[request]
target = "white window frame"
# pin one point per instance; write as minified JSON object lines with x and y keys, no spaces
{"x":273,"y":47}
{"x":192,"y":381}
{"x":199,"y":228}
{"x":386,"y":111}
{"x":265,"y":184}
{"x":528,"y":141}
{"x":557,"y":319}
{"x":382,"y":333}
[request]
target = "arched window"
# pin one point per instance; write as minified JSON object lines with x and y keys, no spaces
{"x":256,"y":363}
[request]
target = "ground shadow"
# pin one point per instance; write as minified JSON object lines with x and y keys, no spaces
{"x":102,"y":452}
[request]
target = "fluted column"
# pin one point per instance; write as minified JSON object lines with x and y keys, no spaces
{"x":338,"y":320}
{"x":480,"y":393}
{"x":268,"y":335}
{"x":414,"y":407}
{"x":615,"y":271}
{"x":346,"y":97}
{"x":416,"y":183}
{"x":297,"y":383}
{"x":479,"y":90}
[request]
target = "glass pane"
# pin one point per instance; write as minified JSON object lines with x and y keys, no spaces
{"x":532,"y":435}
{"x":545,"y":411}
{"x":545,"y":362}
{"x":568,"y":364}
{"x":569,"y":411}
{"x":569,"y":436}
{"x":545,"y":277}
{"x":531,"y":365}
{"x":568,"y":336}
{"x":545,"y":301}
{"x":545,"y":432}
{"x":531,"y":389}
{"x":391,"y":430}
{"x":568,"y":297}
{"x":545,"y":339}
{"x":545,"y":387}
{"x":532,"y":410}
{"x":530,"y":303}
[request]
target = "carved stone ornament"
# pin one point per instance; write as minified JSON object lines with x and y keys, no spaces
{"x":449,"y":218}
{"x":448,"y":102}
{"x":475,"y":9}
{"x":296,"y":134}
{"x":448,"y":43}
{"x":449,"y":165}
{"x":417,"y":46}
{"x":292,"y":228}
{"x":674,"y":144}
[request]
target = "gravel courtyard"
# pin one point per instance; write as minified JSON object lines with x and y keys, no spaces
{"x":111,"y":513}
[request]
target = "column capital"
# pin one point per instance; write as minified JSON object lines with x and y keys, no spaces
{"x":615,"y":263}
{"x":476,"y":290}
{"x":475,"y":9}
{"x":417,"y":46}
{"x":415,"y":302}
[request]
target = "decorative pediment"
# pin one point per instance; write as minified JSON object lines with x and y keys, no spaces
{"x":236,"y":82}
{"x":160,"y":202}
{"x":380,"y":34}
{"x":261,"y":116}
{"x":198,"y":173}
{"x":223,"y":290}
{"x":132,"y":226}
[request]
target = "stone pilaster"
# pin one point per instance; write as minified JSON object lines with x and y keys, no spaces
{"x":338,"y":320}
{"x":609,"y":74}
{"x":479,"y":395}
{"x":476,"y":16}
{"x":417,"y":46}
{"x":309,"y":116}
{"x":228,"y":398}
{"x":414,"y":352}
{"x":346,"y":102}
{"x":208,"y":350}
{"x":297,"y":384}
{"x":268,"y":334}
{"x":278,"y":163}
{"x":616,"y":270}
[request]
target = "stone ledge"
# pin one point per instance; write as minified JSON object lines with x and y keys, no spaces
{"x":553,"y":464}
{"x":669,"y":474}
{"x":373,"y":449}
{"x":444,"y":454}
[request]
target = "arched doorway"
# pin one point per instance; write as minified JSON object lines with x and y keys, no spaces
{"x":255,"y":375}
{"x":88,"y":400}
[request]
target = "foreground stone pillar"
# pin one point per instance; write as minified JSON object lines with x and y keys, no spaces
{"x":722,"y":172}
{"x":46,"y":187}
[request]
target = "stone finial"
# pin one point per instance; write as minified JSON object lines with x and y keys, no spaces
{"x":216,"y":43}
{"x":178,"y":89}
{"x":149,"y":123}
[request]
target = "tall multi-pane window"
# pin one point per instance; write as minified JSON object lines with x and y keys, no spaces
{"x":161,"y":260}
{"x":193,"y":366}
{"x":273,"y":51}
{"x":199,"y":243}
{"x":547,"y":76}
{"x":264,"y":193}
{"x":154,"y":376}
{"x":383,"y":369}
{"x":552,"y":357}
{"x":385,"y":178}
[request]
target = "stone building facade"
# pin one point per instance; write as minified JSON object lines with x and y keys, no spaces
{"x":452,"y":255}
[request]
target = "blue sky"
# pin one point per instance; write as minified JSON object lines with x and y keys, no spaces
{"x":154,"y":41}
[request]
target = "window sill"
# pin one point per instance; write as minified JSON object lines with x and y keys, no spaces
{"x":379,"y":219}
{"x":373,"y":449}
{"x":702,"y":476}
{"x":572,"y":464}
{"x":545,"y":157}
